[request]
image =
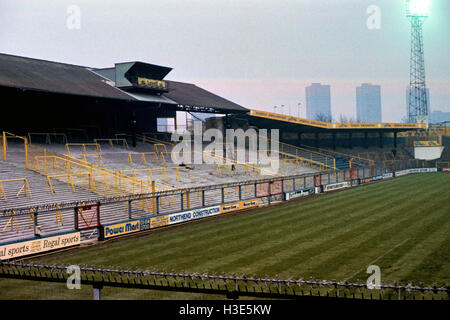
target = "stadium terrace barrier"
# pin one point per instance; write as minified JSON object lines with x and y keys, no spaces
{"x":84,"y":147}
{"x":143,"y":157}
{"x":131,"y":213}
{"x":302,"y":161}
{"x":146,"y":138}
{"x":163,"y":170}
{"x":85,"y":156}
{"x":326,"y":159}
{"x":111,"y":142}
{"x":48,"y":136}
{"x":231,"y":286}
{"x":6,"y":136}
{"x":25,"y":188}
{"x":111,"y":181}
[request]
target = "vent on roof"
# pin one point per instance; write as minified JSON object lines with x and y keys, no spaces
{"x":139,"y":75}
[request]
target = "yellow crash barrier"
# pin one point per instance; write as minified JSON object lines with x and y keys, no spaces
{"x":25,"y":188}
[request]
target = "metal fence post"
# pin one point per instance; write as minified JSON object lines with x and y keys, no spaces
{"x":203,"y":198}
{"x":26,"y":152}
{"x":182,"y":201}
{"x":97,"y":291}
{"x":75,"y":217}
{"x":157,"y":204}
{"x":98,"y":214}
{"x":4,"y":145}
{"x":129,"y":209}
{"x":188,"y":200}
{"x":153,"y":198}
{"x":35,"y":222}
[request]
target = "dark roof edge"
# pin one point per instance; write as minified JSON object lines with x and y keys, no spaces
{"x":44,"y":60}
{"x":68,"y":93}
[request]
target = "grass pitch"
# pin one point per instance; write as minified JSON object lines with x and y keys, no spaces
{"x":401,"y":225}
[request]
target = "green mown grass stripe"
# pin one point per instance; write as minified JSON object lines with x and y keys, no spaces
{"x":431,"y":267}
{"x":437,"y":206}
{"x":264,"y":242}
{"x":231,"y":247}
{"x":395,"y":234}
{"x":337,"y":239}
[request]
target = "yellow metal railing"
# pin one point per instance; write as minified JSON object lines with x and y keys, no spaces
{"x":329,"y":161}
{"x":25,"y":188}
{"x":7,"y":135}
{"x":70,"y":180}
{"x":143,"y":156}
{"x":302,"y":161}
{"x":111,"y":144}
{"x":231,"y":169}
{"x":158,"y":146}
{"x":356,"y":157}
{"x":223,"y":160}
{"x":85,"y":156}
{"x":305,"y":162}
{"x":99,"y":180}
{"x":47,"y":136}
{"x":163,"y":170}
{"x":83,"y":146}
{"x":12,"y":222}
{"x":146,"y":139}
{"x":120,"y":183}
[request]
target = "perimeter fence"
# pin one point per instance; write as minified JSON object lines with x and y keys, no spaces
{"x":231,"y":286}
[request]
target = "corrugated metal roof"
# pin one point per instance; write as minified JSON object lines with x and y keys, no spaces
{"x":29,"y":73}
{"x":21,"y":72}
{"x":189,"y":94}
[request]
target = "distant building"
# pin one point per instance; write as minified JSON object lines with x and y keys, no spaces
{"x":407,"y":102}
{"x":368,"y":103}
{"x":439,"y":116}
{"x":318,"y":102}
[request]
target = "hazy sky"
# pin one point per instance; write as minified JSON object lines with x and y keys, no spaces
{"x":258,"y":53}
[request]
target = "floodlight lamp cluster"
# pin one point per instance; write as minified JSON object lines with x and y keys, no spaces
{"x":417,"y":8}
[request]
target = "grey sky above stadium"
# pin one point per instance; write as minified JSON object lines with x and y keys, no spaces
{"x":257,"y":53}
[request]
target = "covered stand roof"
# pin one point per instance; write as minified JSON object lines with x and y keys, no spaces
{"x":269,"y":119}
{"x":42,"y":75}
{"x":193,"y":98}
{"x":118,"y":82}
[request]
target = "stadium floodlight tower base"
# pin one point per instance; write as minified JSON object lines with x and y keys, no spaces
{"x":417,"y":11}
